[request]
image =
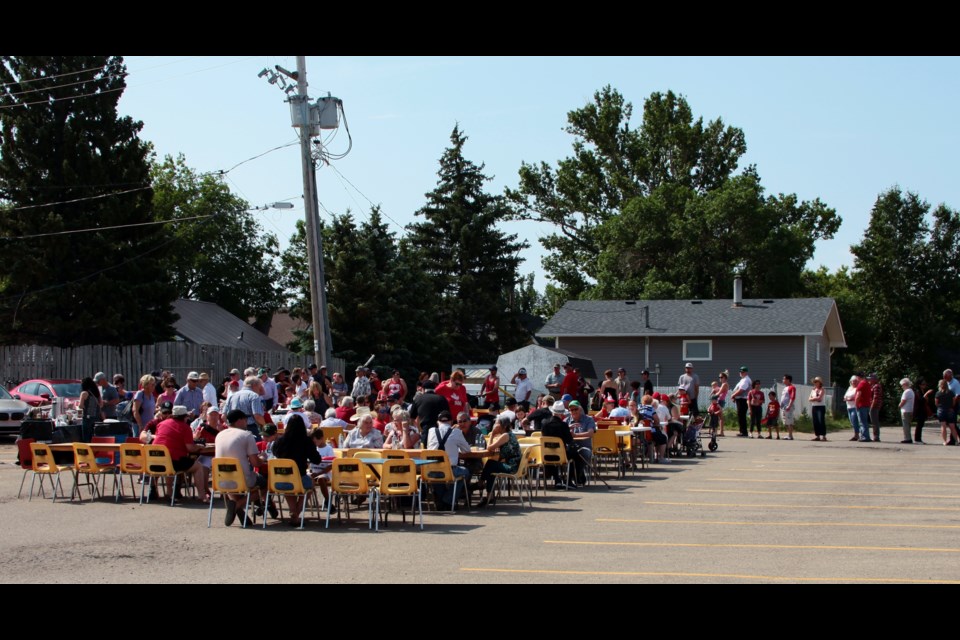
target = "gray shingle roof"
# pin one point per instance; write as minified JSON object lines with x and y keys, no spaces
{"x":782,"y":316}
{"x":207,"y":323}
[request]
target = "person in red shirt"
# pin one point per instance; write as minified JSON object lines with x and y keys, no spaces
{"x":571,"y":382}
{"x":491,"y":389}
{"x":455,"y":393}
{"x":346,"y":409}
{"x":176,"y":435}
{"x":382,"y":419}
{"x":773,"y":415}
{"x":755,"y":401}
{"x":394,"y":386}
{"x":863,"y":399}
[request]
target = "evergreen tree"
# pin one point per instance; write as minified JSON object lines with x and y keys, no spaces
{"x":68,"y":162}
{"x":470,"y":264}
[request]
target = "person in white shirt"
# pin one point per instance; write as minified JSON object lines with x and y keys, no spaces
{"x":331,"y":420}
{"x":269,"y":394}
{"x":740,"y":396}
{"x":524,"y":388}
{"x":907,"y":401}
{"x":451,"y":440}
{"x":209,"y":391}
{"x":296,"y":409}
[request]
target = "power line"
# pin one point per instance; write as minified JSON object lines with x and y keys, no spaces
{"x":59,"y":75}
{"x":51,"y":204}
{"x":85,"y":95}
{"x":69,"y":84}
{"x":222,"y":172}
{"x":96,"y":273}
{"x":372,"y":204}
{"x":119,"y":226}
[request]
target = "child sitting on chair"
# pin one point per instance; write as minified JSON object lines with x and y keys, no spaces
{"x":773,"y":416}
{"x":321,"y":472}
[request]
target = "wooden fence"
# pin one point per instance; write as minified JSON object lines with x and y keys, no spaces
{"x":19,"y":363}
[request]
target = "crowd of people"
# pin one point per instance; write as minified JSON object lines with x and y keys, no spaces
{"x":241,"y":416}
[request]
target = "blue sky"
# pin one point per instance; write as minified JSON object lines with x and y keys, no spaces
{"x":841,"y":129}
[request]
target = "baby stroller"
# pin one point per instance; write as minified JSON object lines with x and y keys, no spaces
{"x":692,"y":444}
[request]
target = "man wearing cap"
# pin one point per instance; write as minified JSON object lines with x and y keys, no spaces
{"x":553,"y":381}
{"x":691,"y":384}
{"x":361,"y":387}
{"x":647,"y":383}
{"x":510,"y":411}
{"x":109,"y":395}
{"x":452,"y":440}
{"x":190,"y":396}
{"x":524,"y":389}
{"x":249,"y":401}
{"x":491,"y":389}
{"x":238,"y":443}
{"x":571,"y":382}
{"x":740,"y":394}
{"x":620,"y":412}
{"x":534,"y":420}
{"x":583,"y":427}
{"x":427,"y":408}
{"x":234,"y":377}
{"x":557,"y":427}
{"x":175,"y":434}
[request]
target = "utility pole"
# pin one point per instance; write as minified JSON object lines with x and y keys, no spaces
{"x":309,"y":120}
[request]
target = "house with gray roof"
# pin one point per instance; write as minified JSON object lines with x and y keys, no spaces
{"x":770,"y":337}
{"x":210,"y":324}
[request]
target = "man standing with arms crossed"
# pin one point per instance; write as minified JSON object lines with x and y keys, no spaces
{"x":739,"y":394}
{"x":691,"y":384}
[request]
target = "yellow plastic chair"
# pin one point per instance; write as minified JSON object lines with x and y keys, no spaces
{"x":391,"y":454}
{"x":228,"y":477}
{"x":399,"y":479}
{"x":536,"y":434}
{"x":348,"y":478}
{"x":529,"y":440}
{"x":605,"y":446}
{"x":535,"y":467}
{"x":44,"y":465}
{"x":554,"y":454}
{"x":284,"y":478}
{"x":373,"y":478}
{"x":85,"y":462}
{"x":520,"y":478}
{"x":441,"y":472}
{"x":158,"y":464}
{"x":131,"y":464}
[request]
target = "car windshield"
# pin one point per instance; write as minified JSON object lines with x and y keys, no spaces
{"x":67,"y":390}
{"x":5,"y":395}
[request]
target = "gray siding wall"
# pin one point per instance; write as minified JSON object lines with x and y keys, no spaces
{"x":768,"y":358}
{"x":821,"y":368}
{"x":609,"y":353}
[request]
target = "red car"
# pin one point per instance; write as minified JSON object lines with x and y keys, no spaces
{"x":42,"y":392}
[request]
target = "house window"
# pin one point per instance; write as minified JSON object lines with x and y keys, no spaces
{"x":698,"y":349}
{"x":818,"y":352}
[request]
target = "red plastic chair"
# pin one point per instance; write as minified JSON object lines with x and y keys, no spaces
{"x":26,"y":461}
{"x":105,"y":456}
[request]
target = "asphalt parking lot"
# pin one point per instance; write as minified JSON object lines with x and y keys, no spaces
{"x":755,"y":511}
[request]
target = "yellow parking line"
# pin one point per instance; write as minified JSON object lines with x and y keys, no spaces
{"x":731,"y":576}
{"x":825,"y":493}
{"x":723,"y":545}
{"x":849,"y":472}
{"x":800,"y":506}
{"x":870,"y":482}
{"x":787,"y":524}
